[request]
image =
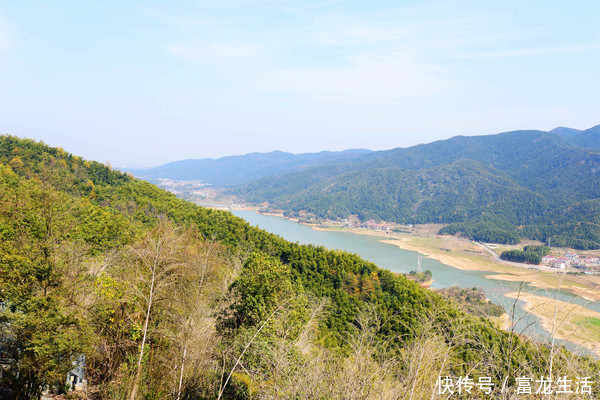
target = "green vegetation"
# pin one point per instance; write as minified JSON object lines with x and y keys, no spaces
{"x":593,"y":321}
{"x":170,"y":300}
{"x":472,"y":301}
{"x":497,"y":188}
{"x":488,"y":230}
{"x":529,"y":254}
{"x":419,"y":277}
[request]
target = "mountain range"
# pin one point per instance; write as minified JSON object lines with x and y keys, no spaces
{"x":499,"y":188}
{"x":160,"y":296}
{"x":234,"y":170}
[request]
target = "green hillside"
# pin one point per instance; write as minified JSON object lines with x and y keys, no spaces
{"x":170,"y":300}
{"x":491,"y":188}
{"x":589,"y":138}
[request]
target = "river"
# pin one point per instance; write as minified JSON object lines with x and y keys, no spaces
{"x":395,"y":259}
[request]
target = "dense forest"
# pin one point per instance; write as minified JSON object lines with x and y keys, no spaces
{"x":495,"y":188}
{"x":529,"y":254}
{"x":166,"y":299}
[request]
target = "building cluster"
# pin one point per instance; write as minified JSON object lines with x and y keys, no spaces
{"x":372,"y":225}
{"x":177,"y":186}
{"x":572,"y":260}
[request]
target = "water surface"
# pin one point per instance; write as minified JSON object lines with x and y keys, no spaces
{"x":398,"y":260}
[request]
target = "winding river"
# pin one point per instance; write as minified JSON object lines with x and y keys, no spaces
{"x":395,"y":259}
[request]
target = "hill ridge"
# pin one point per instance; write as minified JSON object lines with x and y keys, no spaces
{"x":535,"y":174}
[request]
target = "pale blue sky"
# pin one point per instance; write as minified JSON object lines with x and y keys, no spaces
{"x":153,"y":81}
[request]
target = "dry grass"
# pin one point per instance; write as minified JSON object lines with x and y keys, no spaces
{"x":465,"y":255}
{"x":568,"y":321}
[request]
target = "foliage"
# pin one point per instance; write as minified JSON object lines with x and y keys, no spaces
{"x":529,"y":254}
{"x":473,"y":301}
{"x":263,"y":286}
{"x":94,"y":261}
{"x":419,"y":277}
{"x":495,"y":188}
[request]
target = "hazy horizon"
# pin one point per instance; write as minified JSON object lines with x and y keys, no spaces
{"x":149,"y":83}
{"x":148,"y":166}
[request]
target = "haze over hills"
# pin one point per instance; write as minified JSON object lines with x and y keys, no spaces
{"x":234,"y":170}
{"x":588,"y":138}
{"x":498,"y":188}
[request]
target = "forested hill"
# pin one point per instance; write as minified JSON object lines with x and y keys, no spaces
{"x":590,"y":138}
{"x":233,"y":170}
{"x":498,"y":188}
{"x":166,"y":299}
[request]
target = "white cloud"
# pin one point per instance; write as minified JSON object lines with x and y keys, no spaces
{"x":529,"y":52}
{"x":200,"y":52}
{"x":7,"y":35}
{"x":367,"y":80}
{"x":349,"y":31}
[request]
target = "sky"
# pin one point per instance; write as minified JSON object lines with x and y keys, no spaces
{"x":141,"y":83}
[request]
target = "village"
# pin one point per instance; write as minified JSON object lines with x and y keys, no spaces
{"x":572,"y":261}
{"x":181,"y":187}
{"x":371,"y":225}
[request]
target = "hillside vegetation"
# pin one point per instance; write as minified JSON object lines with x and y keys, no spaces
{"x":234,"y":170}
{"x":495,"y":188}
{"x":170,"y":300}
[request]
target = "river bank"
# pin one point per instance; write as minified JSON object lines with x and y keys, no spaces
{"x":470,"y":256}
{"x":565,"y":321}
{"x":573,"y":322}
{"x":453,"y":261}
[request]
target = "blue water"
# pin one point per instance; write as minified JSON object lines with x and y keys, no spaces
{"x":395,"y":259}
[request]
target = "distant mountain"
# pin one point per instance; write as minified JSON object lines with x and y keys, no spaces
{"x":566,"y":133}
{"x":499,"y":187}
{"x":234,"y":170}
{"x":589,"y":138}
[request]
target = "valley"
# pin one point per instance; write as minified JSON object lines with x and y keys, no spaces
{"x":299,"y":199}
{"x":456,"y":262}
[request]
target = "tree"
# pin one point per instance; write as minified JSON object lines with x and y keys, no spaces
{"x":43,"y":331}
{"x":263,"y":284}
{"x":157,"y":263}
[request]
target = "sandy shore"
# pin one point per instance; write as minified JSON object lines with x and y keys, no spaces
{"x":569,"y":322}
{"x":466,"y":255}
